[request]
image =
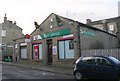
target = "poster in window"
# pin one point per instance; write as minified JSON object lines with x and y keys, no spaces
{"x":36,"y":52}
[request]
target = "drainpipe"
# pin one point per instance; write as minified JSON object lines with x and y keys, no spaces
{"x":118,"y":37}
{"x":118,"y":32}
{"x":13,"y":55}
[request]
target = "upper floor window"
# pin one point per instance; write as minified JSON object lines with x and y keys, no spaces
{"x":3,"y":34}
{"x":111,"y":28}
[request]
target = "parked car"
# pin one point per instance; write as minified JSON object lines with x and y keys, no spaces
{"x":97,"y":67}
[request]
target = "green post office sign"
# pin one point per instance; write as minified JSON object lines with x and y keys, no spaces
{"x":56,"y":33}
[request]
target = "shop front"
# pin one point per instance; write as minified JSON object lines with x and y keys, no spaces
{"x":23,"y":50}
{"x":53,"y":46}
{"x":37,"y":51}
{"x":60,"y":41}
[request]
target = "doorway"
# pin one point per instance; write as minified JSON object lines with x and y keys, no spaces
{"x":49,"y":54}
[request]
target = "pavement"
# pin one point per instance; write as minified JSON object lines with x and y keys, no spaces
{"x":43,"y":67}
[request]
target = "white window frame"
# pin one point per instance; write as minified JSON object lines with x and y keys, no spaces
{"x":64,"y":51}
{"x":3,"y":34}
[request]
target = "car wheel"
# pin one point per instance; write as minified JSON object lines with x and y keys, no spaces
{"x":78,"y":76}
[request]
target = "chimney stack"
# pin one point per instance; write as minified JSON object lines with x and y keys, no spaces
{"x":5,"y":18}
{"x":15,"y":22}
{"x":89,"y":22}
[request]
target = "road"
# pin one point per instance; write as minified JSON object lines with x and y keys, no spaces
{"x":13,"y":72}
{"x":0,"y":71}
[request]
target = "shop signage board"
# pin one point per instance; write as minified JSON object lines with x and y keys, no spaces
{"x":52,"y":34}
{"x":10,"y":46}
{"x":66,"y":36}
{"x":87,"y":33}
{"x":37,"y":37}
{"x":54,"y":49}
{"x":27,"y":40}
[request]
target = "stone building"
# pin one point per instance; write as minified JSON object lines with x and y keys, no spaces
{"x":111,"y":25}
{"x":8,"y":31}
{"x":59,"y":41}
{"x":119,"y":8}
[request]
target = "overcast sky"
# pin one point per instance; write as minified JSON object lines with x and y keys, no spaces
{"x":25,"y":12}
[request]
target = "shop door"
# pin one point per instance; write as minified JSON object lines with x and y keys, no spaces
{"x":49,"y":54}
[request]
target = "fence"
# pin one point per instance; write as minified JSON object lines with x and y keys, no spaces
{"x":110,"y":52}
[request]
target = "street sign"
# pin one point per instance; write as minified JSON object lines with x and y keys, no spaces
{"x":27,"y":36}
{"x":27,"y":40}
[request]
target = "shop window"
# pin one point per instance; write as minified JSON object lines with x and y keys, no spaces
{"x":66,"y":49}
{"x":37,"y":51}
{"x":61,"y":50}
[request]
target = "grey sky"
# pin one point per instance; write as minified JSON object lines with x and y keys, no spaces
{"x":25,"y":12}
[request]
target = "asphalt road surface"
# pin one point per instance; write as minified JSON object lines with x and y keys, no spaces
{"x":0,"y":71}
{"x":13,"y":72}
